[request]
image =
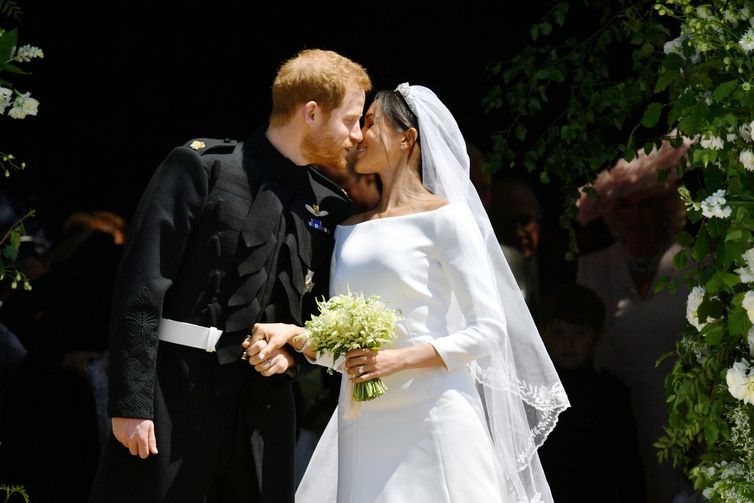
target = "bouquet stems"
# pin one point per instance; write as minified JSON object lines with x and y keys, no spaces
{"x":369,"y":390}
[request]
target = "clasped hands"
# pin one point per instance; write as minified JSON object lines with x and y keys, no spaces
{"x":264,"y":349}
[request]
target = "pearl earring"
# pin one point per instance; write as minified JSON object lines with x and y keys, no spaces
{"x":403,"y":146}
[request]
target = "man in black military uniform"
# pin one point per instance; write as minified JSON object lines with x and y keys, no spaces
{"x":226,"y":235}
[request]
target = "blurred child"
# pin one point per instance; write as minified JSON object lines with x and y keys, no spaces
{"x":591,"y":455}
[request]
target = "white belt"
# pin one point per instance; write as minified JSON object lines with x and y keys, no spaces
{"x":187,"y":334}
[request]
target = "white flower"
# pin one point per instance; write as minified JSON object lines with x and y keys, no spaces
{"x":692,"y":307}
{"x":711,"y":142}
{"x":731,"y":137}
{"x":708,"y":101}
{"x":747,"y":271}
{"x":750,"y":340}
{"x":703,"y":12}
{"x":23,"y":106}
{"x":747,"y":41}
{"x":746,"y":157}
{"x":740,"y":385}
{"x":26,"y":53}
{"x":5,"y":100}
{"x":730,"y":16}
{"x":714,"y":206}
{"x":674,"y":46}
{"x":745,"y":132}
{"x":748,"y":304}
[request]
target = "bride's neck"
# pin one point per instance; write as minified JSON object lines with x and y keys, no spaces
{"x":401,"y":188}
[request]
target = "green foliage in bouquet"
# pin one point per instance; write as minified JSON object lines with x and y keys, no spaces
{"x":352,"y":321}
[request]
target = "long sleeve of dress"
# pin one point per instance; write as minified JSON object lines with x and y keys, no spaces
{"x":172,"y":202}
{"x":464,"y":259}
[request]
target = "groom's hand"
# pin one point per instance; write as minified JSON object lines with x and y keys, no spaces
{"x":266,"y":338}
{"x":137,"y":435}
{"x":276,"y":361}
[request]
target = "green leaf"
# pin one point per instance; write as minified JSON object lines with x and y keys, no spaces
{"x":681,"y":258}
{"x":7,"y":67}
{"x":560,"y":12}
{"x":723,"y":90}
{"x":10,"y":252}
{"x":713,"y":333}
{"x":651,"y":115}
{"x":684,"y":238}
{"x":738,"y":322}
{"x":701,"y":247}
{"x":734,"y":235}
{"x":7,"y":43}
{"x":665,"y":80}
{"x":711,"y":434}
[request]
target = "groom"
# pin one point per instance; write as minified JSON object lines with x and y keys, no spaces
{"x":226,"y":235}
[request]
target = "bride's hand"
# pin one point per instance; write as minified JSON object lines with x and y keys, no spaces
{"x":266,"y":339}
{"x":363,"y":364}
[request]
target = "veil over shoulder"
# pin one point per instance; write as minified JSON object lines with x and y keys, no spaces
{"x":517,"y":382}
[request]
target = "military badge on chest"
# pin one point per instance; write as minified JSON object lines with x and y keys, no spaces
{"x":309,"y":280}
{"x":315,"y":221}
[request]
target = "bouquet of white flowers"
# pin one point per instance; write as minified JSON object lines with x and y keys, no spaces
{"x":352,"y":321}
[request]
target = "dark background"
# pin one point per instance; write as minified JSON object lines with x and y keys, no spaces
{"x":123,"y":82}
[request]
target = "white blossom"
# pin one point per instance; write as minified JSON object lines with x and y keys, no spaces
{"x":703,"y":12}
{"x":740,"y":380}
{"x":731,"y":137}
{"x":711,"y":142}
{"x":750,"y":340}
{"x":708,"y":101}
{"x":714,"y":206}
{"x":730,"y":16}
{"x":5,"y":100}
{"x":26,"y":53}
{"x":746,"y":157}
{"x":745,"y":132}
{"x":747,"y":271}
{"x":747,"y":40}
{"x":23,"y":106}
{"x":675,"y":45}
{"x":695,"y":298}
{"x":748,"y":304}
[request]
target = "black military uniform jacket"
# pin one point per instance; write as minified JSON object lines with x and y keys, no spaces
{"x":226,"y":234}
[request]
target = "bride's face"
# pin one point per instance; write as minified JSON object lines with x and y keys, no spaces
{"x":381,"y":144}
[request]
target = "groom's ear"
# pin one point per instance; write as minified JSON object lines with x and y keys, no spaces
{"x":310,"y":111}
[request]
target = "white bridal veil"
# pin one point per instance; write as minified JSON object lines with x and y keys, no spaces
{"x":518,"y":382}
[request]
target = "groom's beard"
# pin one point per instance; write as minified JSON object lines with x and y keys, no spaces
{"x":320,"y":147}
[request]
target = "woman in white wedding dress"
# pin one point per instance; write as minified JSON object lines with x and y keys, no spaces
{"x":471,"y":391}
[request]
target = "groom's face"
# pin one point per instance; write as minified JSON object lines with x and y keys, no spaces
{"x":334,"y":136}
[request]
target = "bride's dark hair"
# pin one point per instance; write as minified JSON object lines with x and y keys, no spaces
{"x":392,"y":108}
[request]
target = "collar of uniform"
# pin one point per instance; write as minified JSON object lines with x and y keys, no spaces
{"x":277,"y":167}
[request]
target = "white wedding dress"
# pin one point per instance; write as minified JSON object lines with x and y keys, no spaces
{"x":425,"y":440}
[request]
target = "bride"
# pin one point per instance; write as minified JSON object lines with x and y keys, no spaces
{"x":471,"y":390}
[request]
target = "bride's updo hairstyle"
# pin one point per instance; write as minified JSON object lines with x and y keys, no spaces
{"x":393,"y":109}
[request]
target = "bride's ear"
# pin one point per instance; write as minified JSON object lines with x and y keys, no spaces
{"x":409,"y":138}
